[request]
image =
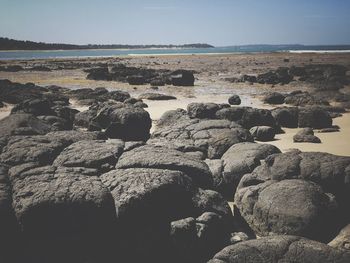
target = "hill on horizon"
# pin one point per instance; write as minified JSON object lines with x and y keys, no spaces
{"x":12,"y":44}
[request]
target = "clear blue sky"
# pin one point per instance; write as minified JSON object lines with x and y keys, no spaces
{"x":217,"y":22}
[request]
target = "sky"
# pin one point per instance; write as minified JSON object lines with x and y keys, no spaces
{"x":216,"y":22}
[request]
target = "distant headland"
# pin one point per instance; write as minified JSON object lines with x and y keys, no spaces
{"x":12,"y":44}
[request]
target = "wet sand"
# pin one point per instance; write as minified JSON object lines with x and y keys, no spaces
{"x":337,"y":143}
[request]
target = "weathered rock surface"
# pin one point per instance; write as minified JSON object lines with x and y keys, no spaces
{"x":149,"y":156}
{"x":287,"y":177}
{"x":295,"y":207}
{"x":237,"y":161}
{"x":23,"y":124}
{"x":156,"y":96}
{"x":306,"y":135}
{"x":247,"y":117}
{"x":234,"y":100}
{"x":274,"y":98}
{"x":280,"y":249}
{"x":211,"y":137}
{"x":262,"y":133}
{"x":100,"y":155}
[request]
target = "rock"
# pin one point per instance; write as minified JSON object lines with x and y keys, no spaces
{"x":202,"y":110}
{"x":149,"y":156}
{"x":247,"y":117}
{"x":156,"y":96}
{"x":234,"y":100}
{"x":274,"y":98}
{"x":262,"y":133}
{"x":238,"y":237}
{"x":211,"y":137}
{"x":306,"y":135}
{"x":333,"y":129}
{"x":293,"y":207}
{"x":329,"y":171}
{"x":281,"y":248}
{"x":237,"y":161}
{"x":121,"y":121}
{"x":146,"y":201}
{"x":136,"y":80}
{"x":42,"y":149}
{"x":314,"y":117}
{"x":182,"y":78}
{"x":286,"y":116}
{"x":69,"y":213}
{"x":100,"y":155}
{"x":342,"y":240}
{"x":9,"y":228}
{"x":36,"y":107}
{"x":23,"y":124}
{"x":279,"y":76}
{"x":99,"y":74}
{"x":98,"y":95}
{"x":157,"y":83}
{"x":303,"y":99}
{"x":56,"y":123}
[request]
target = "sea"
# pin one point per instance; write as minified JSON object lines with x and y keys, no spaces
{"x":84,"y":53}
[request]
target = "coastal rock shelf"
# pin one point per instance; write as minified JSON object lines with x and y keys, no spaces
{"x":101,"y":185}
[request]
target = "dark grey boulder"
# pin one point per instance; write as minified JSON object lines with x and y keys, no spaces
{"x":100,"y":155}
{"x":203,"y":110}
{"x":237,"y":161}
{"x":234,"y":100}
{"x":23,"y":124}
{"x":247,"y":117}
{"x":286,"y":116}
{"x":294,"y":207}
{"x":70,"y":213}
{"x":274,"y":98}
{"x":306,"y":135}
{"x":182,"y":78}
{"x":281,"y":248}
{"x":124,"y":121}
{"x":36,"y":107}
{"x":211,"y":137}
{"x":149,"y":156}
{"x":156,"y":96}
{"x":262,"y":133}
{"x":314,"y":117}
{"x":146,"y":201}
{"x":304,"y":99}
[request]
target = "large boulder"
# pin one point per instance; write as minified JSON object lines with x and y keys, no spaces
{"x":286,"y":116}
{"x":156,"y":96}
{"x":203,"y":110}
{"x":262,"y":133}
{"x":234,"y":100}
{"x":326,"y":170}
{"x":237,"y":161}
{"x":294,"y":207}
{"x":280,"y":249}
{"x":23,"y":124}
{"x":274,"y":98}
{"x":70,"y":213}
{"x":306,"y":135}
{"x":209,"y":137}
{"x":159,"y":211}
{"x":182,"y":78}
{"x":314,"y":117}
{"x":121,"y":121}
{"x":98,"y":154}
{"x":150,"y":156}
{"x":247,"y":117}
